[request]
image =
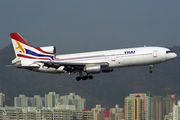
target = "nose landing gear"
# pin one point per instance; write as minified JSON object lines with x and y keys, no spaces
{"x":150,"y":69}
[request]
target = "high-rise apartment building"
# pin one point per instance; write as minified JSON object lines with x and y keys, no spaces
{"x":2,"y":99}
{"x":176,"y":111}
{"x":51,"y":99}
{"x":23,"y":101}
{"x":39,"y":101}
{"x":157,"y":108}
{"x":73,"y":99}
{"x":169,"y":101}
{"x":117,"y":113}
{"x":137,"y":107}
{"x":98,"y":112}
{"x":161,"y":106}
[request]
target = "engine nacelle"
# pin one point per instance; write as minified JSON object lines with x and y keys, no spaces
{"x":49,"y":49}
{"x":92,"y":69}
{"x":107,"y":70}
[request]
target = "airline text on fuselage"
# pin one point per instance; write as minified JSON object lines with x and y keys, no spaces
{"x":129,"y":52}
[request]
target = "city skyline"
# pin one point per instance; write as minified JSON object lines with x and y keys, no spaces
{"x":136,"y":106}
{"x":68,"y":99}
{"x":51,"y":100}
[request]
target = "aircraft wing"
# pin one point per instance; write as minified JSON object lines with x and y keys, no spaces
{"x":70,"y":67}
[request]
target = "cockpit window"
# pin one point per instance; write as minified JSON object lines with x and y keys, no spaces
{"x":167,"y":52}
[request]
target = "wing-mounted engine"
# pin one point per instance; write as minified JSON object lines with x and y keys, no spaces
{"x":92,"y":68}
{"x":49,"y":49}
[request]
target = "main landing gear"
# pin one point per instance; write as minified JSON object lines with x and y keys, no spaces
{"x":81,"y":77}
{"x":84,"y":77}
{"x":150,"y":69}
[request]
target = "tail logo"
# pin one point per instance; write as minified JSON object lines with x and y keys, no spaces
{"x":20,"y":47}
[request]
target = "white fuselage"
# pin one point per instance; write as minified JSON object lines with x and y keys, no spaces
{"x":118,"y":58}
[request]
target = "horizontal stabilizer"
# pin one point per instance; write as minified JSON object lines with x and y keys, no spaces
{"x":19,"y":66}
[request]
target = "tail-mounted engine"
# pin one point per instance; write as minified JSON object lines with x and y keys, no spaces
{"x":49,"y":49}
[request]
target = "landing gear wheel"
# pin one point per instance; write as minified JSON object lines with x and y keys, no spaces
{"x":81,"y":77}
{"x":150,"y":69}
{"x":78,"y":78}
{"x":90,"y":77}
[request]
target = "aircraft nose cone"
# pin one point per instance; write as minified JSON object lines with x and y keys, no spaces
{"x":174,"y":55}
{"x":171,"y":56}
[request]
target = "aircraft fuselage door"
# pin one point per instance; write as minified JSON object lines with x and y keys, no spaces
{"x":154,"y":53}
{"x":113,"y":58}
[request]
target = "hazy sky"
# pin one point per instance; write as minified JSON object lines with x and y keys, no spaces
{"x":88,"y":25}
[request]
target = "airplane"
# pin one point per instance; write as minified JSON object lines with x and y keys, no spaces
{"x":44,"y":59}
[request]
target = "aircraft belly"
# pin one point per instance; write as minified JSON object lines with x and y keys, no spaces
{"x":114,"y":63}
{"x":136,"y":61}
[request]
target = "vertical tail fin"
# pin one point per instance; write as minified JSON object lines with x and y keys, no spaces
{"x":23,"y":50}
{"x":18,"y":43}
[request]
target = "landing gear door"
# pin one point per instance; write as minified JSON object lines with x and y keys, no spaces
{"x":113,"y":61}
